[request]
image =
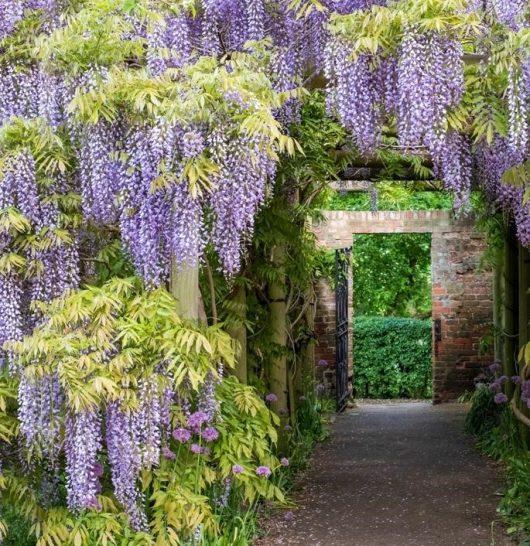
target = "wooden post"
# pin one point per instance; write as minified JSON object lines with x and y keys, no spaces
{"x":278,"y":361}
{"x":524,"y":296}
{"x":239,"y":331}
{"x":510,"y":315}
{"x":498,"y":275}
{"x":524,"y":329}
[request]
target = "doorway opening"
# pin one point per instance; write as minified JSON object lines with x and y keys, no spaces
{"x":392,"y":316}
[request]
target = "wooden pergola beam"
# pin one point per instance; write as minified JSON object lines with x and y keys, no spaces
{"x":363,"y":186}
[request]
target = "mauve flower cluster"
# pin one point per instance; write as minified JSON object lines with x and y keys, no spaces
{"x":82,"y":444}
{"x":263,"y":471}
{"x":125,"y":458}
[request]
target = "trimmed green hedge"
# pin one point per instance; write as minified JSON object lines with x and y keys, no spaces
{"x":392,"y":357}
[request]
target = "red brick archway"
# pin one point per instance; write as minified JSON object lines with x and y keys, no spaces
{"x":462,"y":292}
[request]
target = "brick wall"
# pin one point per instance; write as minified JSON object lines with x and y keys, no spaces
{"x":462,"y":291}
{"x":462,"y":299}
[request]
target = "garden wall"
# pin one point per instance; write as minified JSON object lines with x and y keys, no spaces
{"x":461,"y":291}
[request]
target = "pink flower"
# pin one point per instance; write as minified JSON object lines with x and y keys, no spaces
{"x":210,"y":434}
{"x":181,"y":435}
{"x":264,"y":471}
{"x":168,"y":454}
{"x":195,"y":420}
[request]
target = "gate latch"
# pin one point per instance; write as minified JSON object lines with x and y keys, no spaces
{"x":437,"y":329}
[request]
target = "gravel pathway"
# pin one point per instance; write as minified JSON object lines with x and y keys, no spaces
{"x":395,"y":475}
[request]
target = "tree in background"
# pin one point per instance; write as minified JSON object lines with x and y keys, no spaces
{"x":392,"y":275}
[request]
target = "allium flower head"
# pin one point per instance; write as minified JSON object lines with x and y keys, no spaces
{"x":288,"y":428}
{"x":210,"y":434}
{"x":271,"y":397}
{"x":237,"y":469}
{"x":495,"y":367}
{"x":168,"y":454}
{"x":284,"y":461}
{"x":196,"y":420}
{"x":323,"y":364}
{"x":181,"y":435}
{"x":196,"y":448}
{"x":264,"y":471}
{"x":501,"y":398}
{"x":502,"y":379}
{"x":516,"y":379}
{"x":495,"y":386}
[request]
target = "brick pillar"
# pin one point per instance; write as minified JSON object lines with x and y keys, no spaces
{"x":462,"y":300}
{"x":325,"y":334}
{"x":462,"y":294}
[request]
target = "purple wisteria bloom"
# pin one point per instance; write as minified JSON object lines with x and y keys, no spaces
{"x":264,"y":471}
{"x":501,"y":398}
{"x":271,"y":397}
{"x":210,"y":434}
{"x":181,"y":435}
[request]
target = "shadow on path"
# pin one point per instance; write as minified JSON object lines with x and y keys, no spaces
{"x":395,"y":475}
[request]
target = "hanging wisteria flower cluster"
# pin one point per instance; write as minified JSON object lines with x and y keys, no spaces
{"x":173,"y":416}
{"x":163,"y":128}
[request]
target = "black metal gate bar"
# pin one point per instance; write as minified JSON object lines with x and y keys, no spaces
{"x":342,"y":264}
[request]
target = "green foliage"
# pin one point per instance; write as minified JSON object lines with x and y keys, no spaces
{"x":51,"y":154}
{"x":483,"y":415}
{"x":405,"y":288}
{"x":391,"y":197}
{"x":499,"y":437}
{"x":392,"y":357}
{"x":102,"y":342}
{"x":319,"y":137}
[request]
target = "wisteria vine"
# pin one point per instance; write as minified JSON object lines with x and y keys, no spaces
{"x":185,"y":163}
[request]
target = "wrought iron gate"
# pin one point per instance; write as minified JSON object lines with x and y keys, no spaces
{"x":342,"y":264}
